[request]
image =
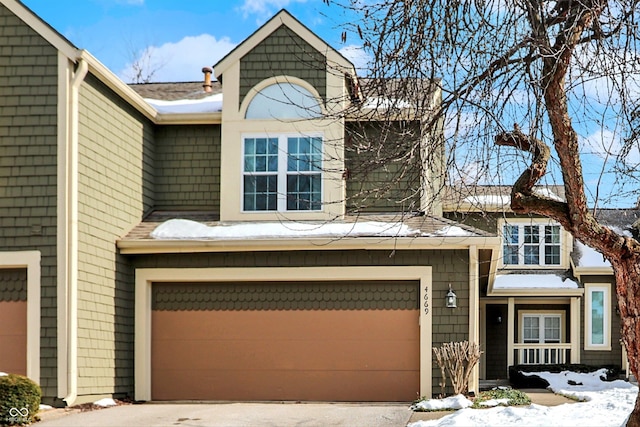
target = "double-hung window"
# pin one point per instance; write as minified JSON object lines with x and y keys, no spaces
{"x":541,"y":328}
{"x":531,"y":244}
{"x":282,"y":173}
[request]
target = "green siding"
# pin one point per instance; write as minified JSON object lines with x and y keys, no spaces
{"x":187,"y":166}
{"x":449,"y":266}
{"x":387,"y":179}
{"x":115,"y":189}
{"x":13,"y":284}
{"x":283,"y":53}
{"x":28,"y":155}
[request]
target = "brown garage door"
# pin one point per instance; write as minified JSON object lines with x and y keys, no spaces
{"x":13,"y":321}
{"x":286,"y":341}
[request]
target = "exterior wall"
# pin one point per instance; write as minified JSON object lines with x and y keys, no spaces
{"x":283,"y":53}
{"x":187,"y":166}
{"x":386,"y":181}
{"x":115,"y":189}
{"x":28,"y":138}
{"x":602,"y":357}
{"x":448,"y":267}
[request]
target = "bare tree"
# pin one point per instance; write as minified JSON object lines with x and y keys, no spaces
{"x":536,"y":77}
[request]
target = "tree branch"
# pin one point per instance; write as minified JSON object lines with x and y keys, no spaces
{"x":523,"y":197}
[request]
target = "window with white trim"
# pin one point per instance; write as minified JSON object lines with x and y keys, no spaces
{"x":284,"y":100}
{"x":598,"y":316}
{"x":541,"y":328}
{"x":282,"y":173}
{"x":531,"y":244}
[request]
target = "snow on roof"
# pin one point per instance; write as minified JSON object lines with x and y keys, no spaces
{"x":589,"y":257}
{"x":531,"y":281}
{"x":505,"y":199}
{"x":380,"y":103}
{"x":183,"y":229}
{"x":546,"y":192}
{"x":453,"y":230}
{"x":210,"y":104}
{"x":489,"y":199}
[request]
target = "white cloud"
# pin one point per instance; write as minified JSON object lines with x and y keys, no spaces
{"x":180,"y":61}
{"x":357,"y":55}
{"x":265,"y":8}
{"x":607,"y":145}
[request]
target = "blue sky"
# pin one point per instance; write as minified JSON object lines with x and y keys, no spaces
{"x":184,"y":35}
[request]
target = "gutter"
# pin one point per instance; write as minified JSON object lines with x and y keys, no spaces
{"x":72,"y":255}
{"x":151,"y":246}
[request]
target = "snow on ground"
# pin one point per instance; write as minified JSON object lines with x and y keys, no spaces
{"x":602,"y":404}
{"x":106,"y":402}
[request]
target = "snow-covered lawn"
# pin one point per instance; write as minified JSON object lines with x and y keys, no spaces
{"x":601,"y":404}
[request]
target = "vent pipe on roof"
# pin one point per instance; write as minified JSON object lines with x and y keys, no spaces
{"x":207,"y":79}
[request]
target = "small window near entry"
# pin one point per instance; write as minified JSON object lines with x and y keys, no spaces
{"x":598,"y":317}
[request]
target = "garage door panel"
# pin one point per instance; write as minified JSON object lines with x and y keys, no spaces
{"x":13,"y":337}
{"x":287,"y":385}
{"x":290,"y":354}
{"x":251,"y":325}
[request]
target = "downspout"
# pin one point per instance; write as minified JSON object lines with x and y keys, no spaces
{"x":72,"y":256}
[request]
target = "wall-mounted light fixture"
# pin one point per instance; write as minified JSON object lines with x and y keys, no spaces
{"x":451,"y":298}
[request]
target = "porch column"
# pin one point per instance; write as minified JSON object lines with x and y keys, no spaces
{"x":511,"y":324}
{"x":575,"y":330}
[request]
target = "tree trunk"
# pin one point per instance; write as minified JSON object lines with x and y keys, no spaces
{"x":627,"y":274}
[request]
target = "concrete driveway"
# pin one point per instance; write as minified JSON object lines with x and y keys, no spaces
{"x":235,"y":415}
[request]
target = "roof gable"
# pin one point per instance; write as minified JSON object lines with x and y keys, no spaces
{"x":38,"y":25}
{"x":281,"y":18}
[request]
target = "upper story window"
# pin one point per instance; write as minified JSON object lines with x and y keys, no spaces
{"x":282,"y":173}
{"x":284,"y":101}
{"x":531,"y":244}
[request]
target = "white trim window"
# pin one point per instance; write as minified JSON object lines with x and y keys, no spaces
{"x":531,"y":244}
{"x":541,"y":328}
{"x":598,"y":317}
{"x":282,"y":173}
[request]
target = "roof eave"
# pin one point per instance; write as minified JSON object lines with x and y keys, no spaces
{"x":151,"y":246}
{"x":189,"y":119}
{"x":546,"y":292}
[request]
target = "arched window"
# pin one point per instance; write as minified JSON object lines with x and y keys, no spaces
{"x":283,"y":101}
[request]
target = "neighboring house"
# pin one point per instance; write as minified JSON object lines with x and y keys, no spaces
{"x":167,"y":242}
{"x":547,"y":298}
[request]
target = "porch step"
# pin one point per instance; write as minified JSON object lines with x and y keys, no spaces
{"x":489,"y":384}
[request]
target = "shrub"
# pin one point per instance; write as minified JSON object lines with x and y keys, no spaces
{"x":515,"y":397}
{"x":457,"y":359}
{"x":19,"y":400}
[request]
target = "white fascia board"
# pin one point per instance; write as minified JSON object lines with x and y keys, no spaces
{"x":371,"y":243}
{"x":189,"y":119}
